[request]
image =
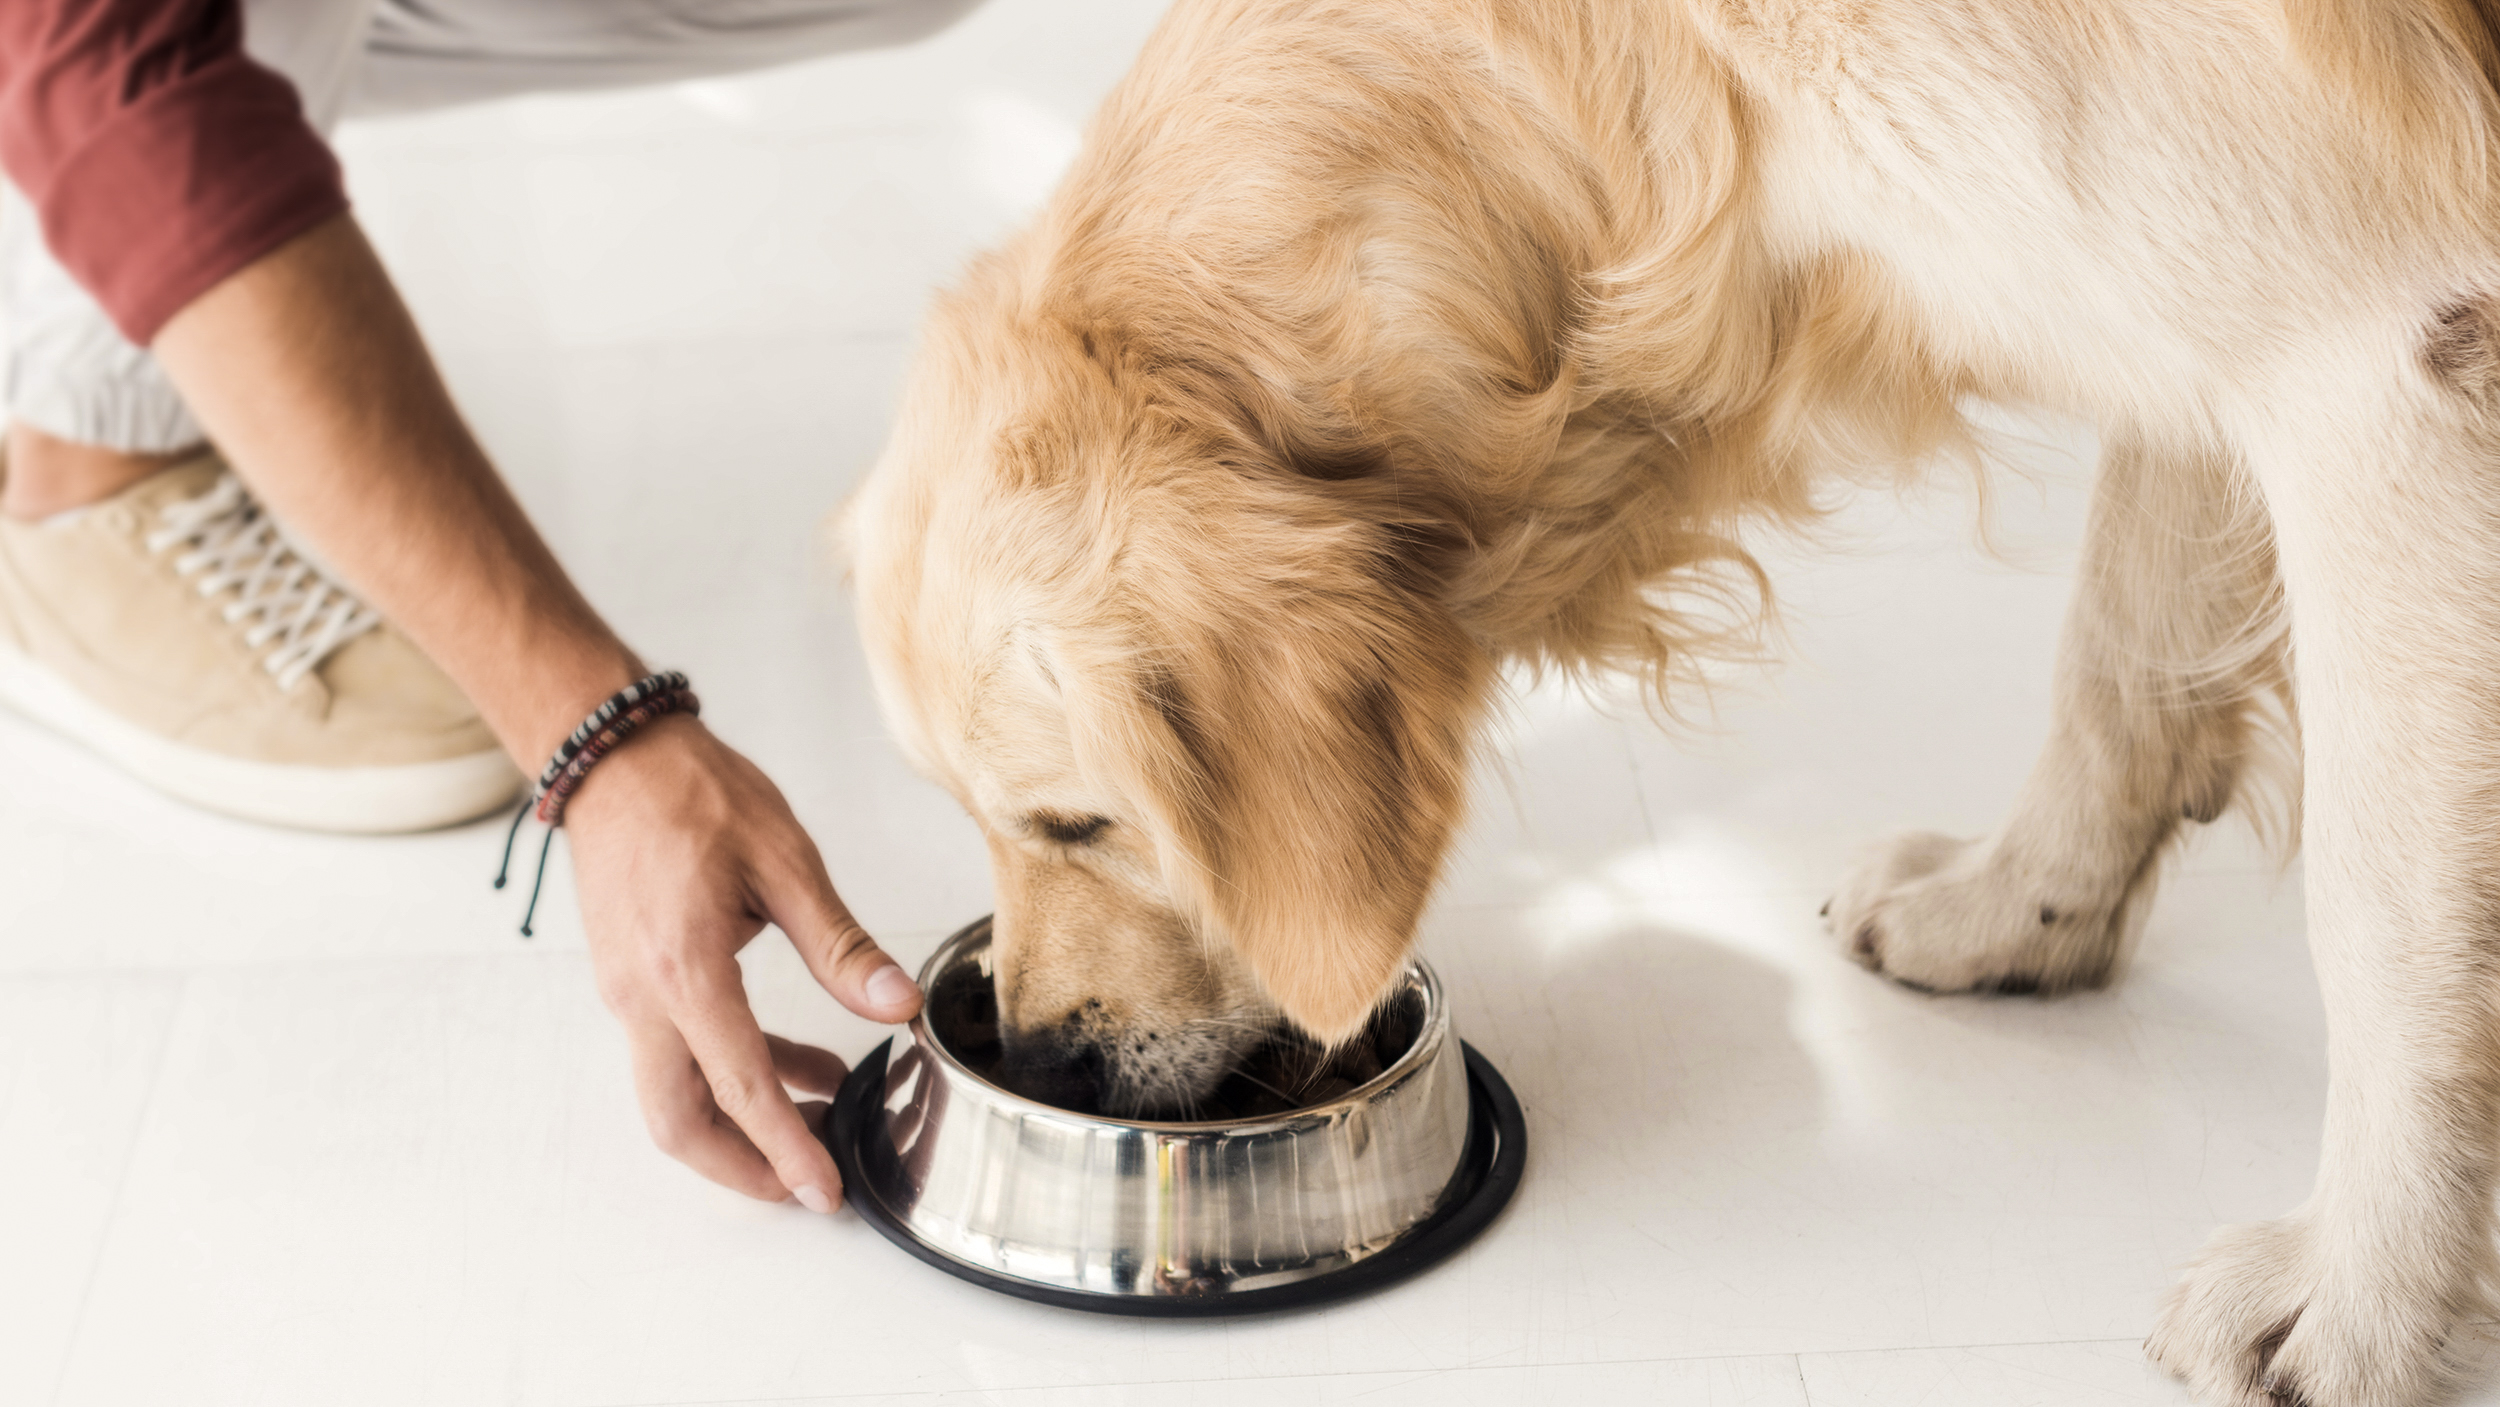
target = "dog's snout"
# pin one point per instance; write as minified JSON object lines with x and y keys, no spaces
{"x":1058,"y":1066}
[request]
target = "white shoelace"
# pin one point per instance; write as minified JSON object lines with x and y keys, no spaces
{"x":285,"y":604}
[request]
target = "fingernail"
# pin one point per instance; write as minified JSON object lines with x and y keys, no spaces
{"x":891,"y":986}
{"x":814,"y":1199}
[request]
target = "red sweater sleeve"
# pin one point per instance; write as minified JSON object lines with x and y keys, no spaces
{"x":160,"y":157}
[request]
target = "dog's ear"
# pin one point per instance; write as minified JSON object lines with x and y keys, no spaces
{"x":1299,"y":722}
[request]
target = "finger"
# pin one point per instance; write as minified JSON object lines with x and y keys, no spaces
{"x":720,"y":1029}
{"x":805,"y":1068}
{"x":677,"y":1108}
{"x":846,"y":961}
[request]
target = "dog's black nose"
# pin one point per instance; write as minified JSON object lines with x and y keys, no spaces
{"x":1056,"y":1067}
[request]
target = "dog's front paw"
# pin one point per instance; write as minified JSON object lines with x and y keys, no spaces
{"x":2275,"y":1315}
{"x":1942,"y":915}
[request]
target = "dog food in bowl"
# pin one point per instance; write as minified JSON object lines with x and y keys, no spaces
{"x":1286,"y":1072}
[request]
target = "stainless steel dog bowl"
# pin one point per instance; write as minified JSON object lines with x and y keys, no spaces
{"x":1161,"y":1218}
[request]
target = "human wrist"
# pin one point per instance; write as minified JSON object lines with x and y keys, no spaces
{"x":655,"y":761}
{"x":617,"y":721}
{"x":536,"y":708}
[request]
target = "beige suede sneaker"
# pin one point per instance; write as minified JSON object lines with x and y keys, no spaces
{"x":173,"y":629}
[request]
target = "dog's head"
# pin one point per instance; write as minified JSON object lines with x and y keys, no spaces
{"x":1209,"y":717}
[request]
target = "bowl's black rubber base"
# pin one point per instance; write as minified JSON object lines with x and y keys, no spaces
{"x":1488,"y":1173}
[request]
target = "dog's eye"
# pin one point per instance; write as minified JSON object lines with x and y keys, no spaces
{"x":1072,"y":830}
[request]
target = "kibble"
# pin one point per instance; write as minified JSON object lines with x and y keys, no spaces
{"x":1285,"y":1072}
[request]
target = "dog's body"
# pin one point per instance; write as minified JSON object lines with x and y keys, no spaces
{"x":1373,"y":346}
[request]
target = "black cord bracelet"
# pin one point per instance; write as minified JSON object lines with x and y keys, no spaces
{"x":607,"y":727}
{"x":648,"y":686}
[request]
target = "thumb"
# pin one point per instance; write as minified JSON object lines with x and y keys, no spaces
{"x":845,"y":960}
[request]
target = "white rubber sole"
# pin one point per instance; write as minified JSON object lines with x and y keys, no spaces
{"x":353,"y":800}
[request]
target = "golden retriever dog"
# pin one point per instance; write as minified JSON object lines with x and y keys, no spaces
{"x":1375,"y":346}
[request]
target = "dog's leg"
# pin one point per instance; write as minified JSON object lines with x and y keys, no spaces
{"x":2171,"y":638}
{"x":2387,"y":524}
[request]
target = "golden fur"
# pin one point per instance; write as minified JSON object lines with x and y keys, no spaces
{"x":1373,"y":347}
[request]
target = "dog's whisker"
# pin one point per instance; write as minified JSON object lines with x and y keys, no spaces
{"x":1271,"y":1089}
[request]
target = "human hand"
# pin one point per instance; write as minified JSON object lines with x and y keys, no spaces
{"x":309,"y":372}
{"x":684,"y":850}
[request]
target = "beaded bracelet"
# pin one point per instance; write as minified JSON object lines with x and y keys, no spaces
{"x":625,"y":713}
{"x":648,"y":686}
{"x":554,"y":794}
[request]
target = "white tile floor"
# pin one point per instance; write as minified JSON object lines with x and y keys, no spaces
{"x":291,"y":1119}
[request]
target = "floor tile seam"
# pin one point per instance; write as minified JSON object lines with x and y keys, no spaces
{"x":1794,"y":1359}
{"x":1805,"y":1380}
{"x":520,"y":948}
{"x":1969,"y":1347}
{"x":121,"y":1184}
{"x":176,"y":973}
{"x":1479,"y":906}
{"x":377,"y":157}
{"x":187,"y":972}
{"x":845,"y":338}
{"x":1811,"y":895}
{"x":544,"y":143}
{"x":1640,"y":785}
{"x":1802,"y":891}
{"x":576,"y":349}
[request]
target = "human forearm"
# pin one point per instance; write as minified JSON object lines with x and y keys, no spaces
{"x":309,"y":372}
